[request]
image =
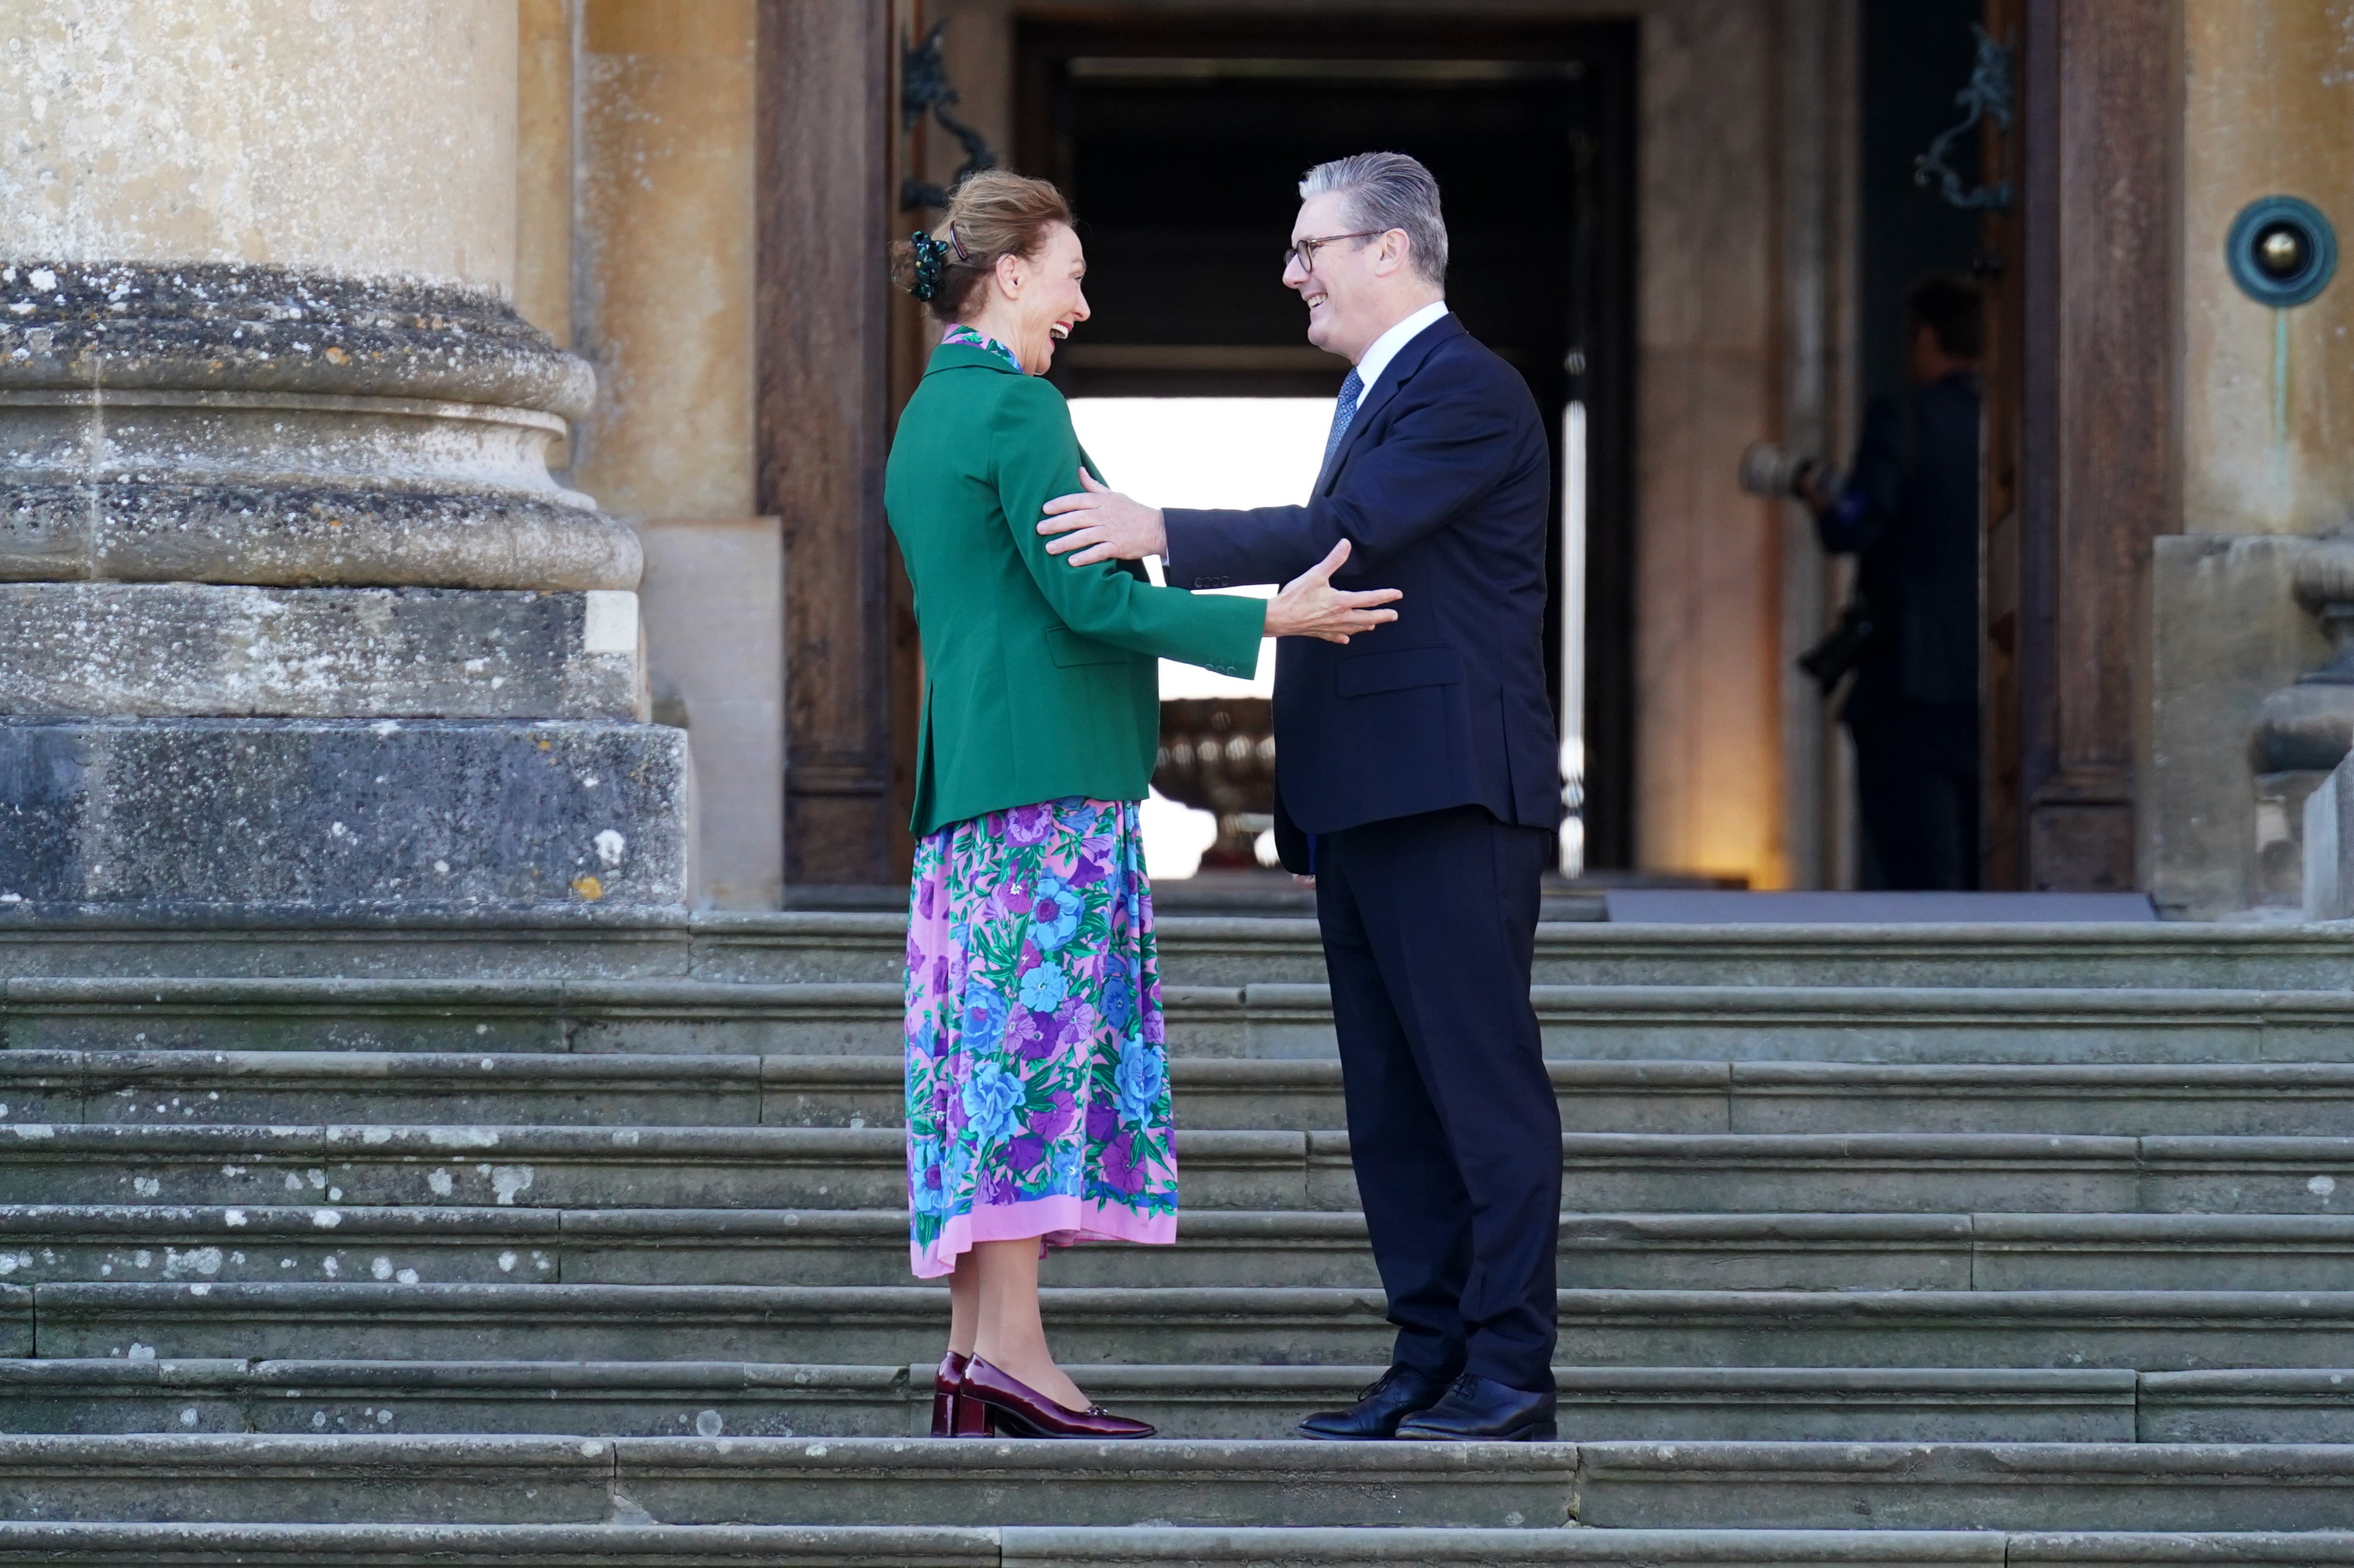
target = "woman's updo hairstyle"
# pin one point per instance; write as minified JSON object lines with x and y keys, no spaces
{"x":992,"y":214}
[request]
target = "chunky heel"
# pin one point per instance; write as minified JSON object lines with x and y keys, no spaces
{"x":974,"y":1419}
{"x":947,"y":1387}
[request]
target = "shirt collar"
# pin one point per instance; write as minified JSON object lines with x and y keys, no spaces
{"x":1385,"y":347}
{"x":964,"y":336}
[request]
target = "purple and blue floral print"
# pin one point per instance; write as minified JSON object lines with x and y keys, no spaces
{"x":1037,"y":1072}
{"x":967,"y":337}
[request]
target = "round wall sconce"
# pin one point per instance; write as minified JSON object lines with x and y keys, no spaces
{"x":2282,"y":251}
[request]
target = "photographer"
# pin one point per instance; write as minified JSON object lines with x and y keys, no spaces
{"x":1909,"y":514}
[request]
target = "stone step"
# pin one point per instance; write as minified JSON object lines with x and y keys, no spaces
{"x":1194,"y":950}
{"x":43,"y":1242}
{"x":563,"y":1089}
{"x":739,"y":1399}
{"x":598,"y":1399}
{"x":495,"y":1088}
{"x":602,"y":1545}
{"x":190,"y":1480}
{"x":832,"y":1481}
{"x":2004,"y":1486}
{"x":2264,"y":1405}
{"x":1212,"y":951}
{"x":1234,"y":1249}
{"x":2027,"y":1026}
{"x":453,"y":1016}
{"x":2131,"y":1098}
{"x":865,"y":1481}
{"x":58,"y":1243}
{"x":1046,"y":1546}
{"x":2149,"y":1330}
{"x":571,"y":1167}
{"x":2118,"y":1098}
{"x":801,"y":945}
{"x":865,"y":1168}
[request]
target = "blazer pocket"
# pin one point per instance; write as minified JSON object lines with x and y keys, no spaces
{"x":1068,"y":649}
{"x":1397,"y":670}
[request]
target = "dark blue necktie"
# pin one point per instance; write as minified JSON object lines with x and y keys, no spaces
{"x":1343,"y":412}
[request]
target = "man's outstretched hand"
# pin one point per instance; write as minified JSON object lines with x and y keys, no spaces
{"x":1309,"y":606}
{"x":1102,"y":524}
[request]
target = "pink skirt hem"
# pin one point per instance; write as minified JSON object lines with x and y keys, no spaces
{"x":1057,"y":1220}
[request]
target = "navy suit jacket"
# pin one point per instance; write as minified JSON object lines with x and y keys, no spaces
{"x":1443,"y":486}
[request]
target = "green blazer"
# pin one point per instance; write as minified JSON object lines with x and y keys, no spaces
{"x":1040,"y":678}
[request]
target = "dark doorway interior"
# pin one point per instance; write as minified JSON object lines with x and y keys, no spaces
{"x":1182,"y":141}
{"x":1915,"y":54}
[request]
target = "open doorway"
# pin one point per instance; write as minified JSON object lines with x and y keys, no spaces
{"x":1181,"y":139}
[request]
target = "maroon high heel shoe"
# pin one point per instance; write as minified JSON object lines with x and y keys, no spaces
{"x":991,"y":1403}
{"x":947,"y":1384}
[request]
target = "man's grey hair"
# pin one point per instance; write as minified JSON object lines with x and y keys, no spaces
{"x":1381,"y":191}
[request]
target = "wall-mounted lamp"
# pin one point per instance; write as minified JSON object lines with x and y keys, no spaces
{"x":2282,"y":250}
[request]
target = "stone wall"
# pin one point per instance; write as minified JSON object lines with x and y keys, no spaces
{"x":636,"y":249}
{"x":2266,"y":452}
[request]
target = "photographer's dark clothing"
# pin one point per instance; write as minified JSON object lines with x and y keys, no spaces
{"x":1909,"y":514}
{"x":1917,"y":784}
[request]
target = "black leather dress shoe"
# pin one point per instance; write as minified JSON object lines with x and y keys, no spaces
{"x":1394,"y":1396}
{"x":1482,"y":1410}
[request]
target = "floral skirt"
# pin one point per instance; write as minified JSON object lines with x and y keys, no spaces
{"x":1037,"y":1073}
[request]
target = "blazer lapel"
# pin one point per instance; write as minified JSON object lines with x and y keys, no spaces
{"x":1397,"y":374}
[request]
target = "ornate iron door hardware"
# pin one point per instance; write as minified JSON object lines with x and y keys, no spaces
{"x":1985,"y":96}
{"x":924,"y":90}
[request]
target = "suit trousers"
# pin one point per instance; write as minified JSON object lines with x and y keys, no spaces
{"x":1429,"y":926}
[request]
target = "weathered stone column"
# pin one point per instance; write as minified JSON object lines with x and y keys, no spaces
{"x":298,"y":618}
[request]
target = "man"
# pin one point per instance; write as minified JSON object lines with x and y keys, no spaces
{"x":1416,"y":781}
{"x":1909,"y":512}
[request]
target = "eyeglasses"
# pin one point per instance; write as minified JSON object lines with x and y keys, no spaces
{"x":1304,"y":251}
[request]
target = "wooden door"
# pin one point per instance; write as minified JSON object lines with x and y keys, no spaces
{"x":2081,"y":434}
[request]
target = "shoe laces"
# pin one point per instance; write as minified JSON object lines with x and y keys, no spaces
{"x":1391,"y":1376}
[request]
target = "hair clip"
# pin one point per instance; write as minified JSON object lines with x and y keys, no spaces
{"x":929,"y":254}
{"x":958,"y":240}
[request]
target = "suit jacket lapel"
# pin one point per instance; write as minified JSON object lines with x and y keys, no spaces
{"x":1397,"y":374}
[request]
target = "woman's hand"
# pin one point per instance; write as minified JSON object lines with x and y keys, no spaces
{"x":1309,"y":606}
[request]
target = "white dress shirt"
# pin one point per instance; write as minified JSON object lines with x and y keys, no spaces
{"x":1369,"y":369}
{"x":1385,"y":347}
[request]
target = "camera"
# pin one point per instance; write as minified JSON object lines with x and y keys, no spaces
{"x":1830,"y":660}
{"x":1769,"y":471}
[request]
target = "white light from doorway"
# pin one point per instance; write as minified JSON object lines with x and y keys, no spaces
{"x":1208,"y":452}
{"x":1573,"y":640}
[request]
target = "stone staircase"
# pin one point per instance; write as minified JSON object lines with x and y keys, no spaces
{"x":580,"y":1242}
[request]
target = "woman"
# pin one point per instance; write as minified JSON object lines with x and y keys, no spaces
{"x":1038,"y":1108}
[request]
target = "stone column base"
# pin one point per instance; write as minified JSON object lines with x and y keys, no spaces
{"x":340,"y":816}
{"x":2328,"y":846}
